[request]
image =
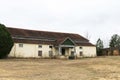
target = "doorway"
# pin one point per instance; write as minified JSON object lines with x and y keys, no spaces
{"x":63,"y":51}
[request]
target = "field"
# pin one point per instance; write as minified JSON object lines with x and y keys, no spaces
{"x":102,"y":68}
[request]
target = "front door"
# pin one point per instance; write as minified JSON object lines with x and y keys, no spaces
{"x":63,"y":51}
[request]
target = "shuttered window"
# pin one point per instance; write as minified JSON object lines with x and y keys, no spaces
{"x":39,"y":53}
{"x":72,"y":53}
{"x":50,"y":46}
{"x":81,"y":53}
{"x":39,"y":46}
{"x":80,"y":47}
{"x":50,"y":53}
{"x":20,"y":45}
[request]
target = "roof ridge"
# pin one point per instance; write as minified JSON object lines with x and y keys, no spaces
{"x":42,"y":30}
{"x":30,"y":34}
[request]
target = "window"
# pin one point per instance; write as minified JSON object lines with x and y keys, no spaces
{"x":50,"y":53}
{"x":39,"y":53}
{"x":39,"y":46}
{"x":20,"y":45}
{"x":72,"y":53}
{"x":50,"y":46}
{"x":80,"y":47}
{"x":81,"y":53}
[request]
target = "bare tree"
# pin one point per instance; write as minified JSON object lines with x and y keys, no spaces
{"x":87,"y":35}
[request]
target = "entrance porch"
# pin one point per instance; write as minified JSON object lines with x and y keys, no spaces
{"x":65,"y":51}
{"x":66,"y":48}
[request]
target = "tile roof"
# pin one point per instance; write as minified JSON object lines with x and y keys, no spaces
{"x":45,"y":37}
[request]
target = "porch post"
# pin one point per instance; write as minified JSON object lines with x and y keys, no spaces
{"x":59,"y":52}
{"x":75,"y":52}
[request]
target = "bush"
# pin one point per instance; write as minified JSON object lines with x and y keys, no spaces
{"x":71,"y":57}
{"x":6,"y":41}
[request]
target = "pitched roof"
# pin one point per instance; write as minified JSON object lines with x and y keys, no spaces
{"x":45,"y":37}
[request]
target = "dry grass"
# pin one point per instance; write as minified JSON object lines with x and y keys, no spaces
{"x":104,"y":68}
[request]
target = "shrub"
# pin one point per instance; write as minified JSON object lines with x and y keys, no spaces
{"x":6,"y":41}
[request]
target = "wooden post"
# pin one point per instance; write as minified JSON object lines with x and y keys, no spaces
{"x":59,"y":51}
{"x":75,"y":52}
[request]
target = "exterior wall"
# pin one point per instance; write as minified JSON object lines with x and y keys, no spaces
{"x":111,"y":52}
{"x":116,"y":52}
{"x":87,"y":51}
{"x":78,"y":50}
{"x":30,"y":50}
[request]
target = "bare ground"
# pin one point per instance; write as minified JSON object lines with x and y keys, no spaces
{"x":103,"y":68}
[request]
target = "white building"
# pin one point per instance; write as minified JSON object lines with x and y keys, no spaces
{"x":44,"y":44}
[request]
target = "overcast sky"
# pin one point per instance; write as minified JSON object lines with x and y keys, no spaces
{"x":98,"y":18}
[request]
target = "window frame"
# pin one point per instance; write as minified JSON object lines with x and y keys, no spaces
{"x":50,"y":53}
{"x":81,"y":53}
{"x":80,"y":47}
{"x":72,"y":53}
{"x":40,"y":53}
{"x":39,"y":46}
{"x":20,"y":45}
{"x":50,"y":46}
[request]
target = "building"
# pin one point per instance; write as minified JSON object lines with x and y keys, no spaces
{"x":113,"y":51}
{"x":44,"y":44}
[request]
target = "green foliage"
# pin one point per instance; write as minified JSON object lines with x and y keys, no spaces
{"x":6,"y":41}
{"x":115,"y":41}
{"x":99,"y":47}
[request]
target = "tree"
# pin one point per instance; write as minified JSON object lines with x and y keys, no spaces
{"x":115,"y":41}
{"x":6,"y":41}
{"x":99,"y":47}
{"x":87,"y":36}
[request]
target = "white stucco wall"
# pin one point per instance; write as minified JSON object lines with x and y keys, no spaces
{"x":78,"y":50}
{"x":29,"y":50}
{"x":88,"y":51}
